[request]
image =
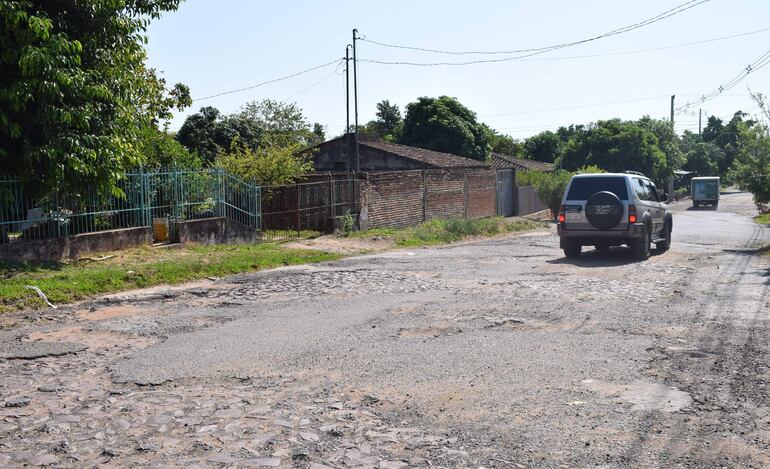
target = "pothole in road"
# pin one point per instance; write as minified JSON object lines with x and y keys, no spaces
{"x":109,"y":312}
{"x":433,"y":331}
{"x":643,"y":395}
{"x":692,"y":353}
{"x":552,"y":324}
{"x":91,"y":338}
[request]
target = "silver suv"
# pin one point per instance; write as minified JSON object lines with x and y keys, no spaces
{"x":604,"y":210}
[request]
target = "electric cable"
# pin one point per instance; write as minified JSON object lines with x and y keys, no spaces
{"x":275,"y":80}
{"x":539,"y":50}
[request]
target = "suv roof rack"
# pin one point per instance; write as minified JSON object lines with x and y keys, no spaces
{"x":636,"y":173}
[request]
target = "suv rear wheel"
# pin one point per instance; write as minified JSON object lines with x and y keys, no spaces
{"x":640,"y":247}
{"x":666,"y":243}
{"x":572,"y":249}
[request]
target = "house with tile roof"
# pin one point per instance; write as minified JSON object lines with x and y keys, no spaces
{"x":338,"y":154}
{"x":500,"y":161}
{"x":400,"y":185}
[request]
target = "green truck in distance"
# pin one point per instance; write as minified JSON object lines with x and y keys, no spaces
{"x":705,"y":191}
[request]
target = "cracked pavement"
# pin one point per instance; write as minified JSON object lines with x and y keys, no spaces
{"x":491,"y":353}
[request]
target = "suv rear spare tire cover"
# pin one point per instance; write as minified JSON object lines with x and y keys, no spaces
{"x":604,"y":210}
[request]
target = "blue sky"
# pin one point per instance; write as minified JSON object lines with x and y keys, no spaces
{"x":216,"y":46}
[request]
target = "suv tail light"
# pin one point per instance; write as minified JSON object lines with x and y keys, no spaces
{"x":632,"y":214}
{"x":562,"y":217}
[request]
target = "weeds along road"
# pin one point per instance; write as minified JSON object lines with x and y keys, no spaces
{"x":496,"y":353}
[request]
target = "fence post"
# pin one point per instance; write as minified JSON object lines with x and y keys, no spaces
{"x":57,"y":215}
{"x":299,"y":201}
{"x":220,"y":192}
{"x":143,"y":215}
{"x":174,"y":204}
{"x":332,"y":199}
{"x":257,"y":207}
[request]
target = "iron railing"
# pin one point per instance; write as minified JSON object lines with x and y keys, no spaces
{"x":278,"y":212}
{"x":307,"y":209}
{"x":175,"y":195}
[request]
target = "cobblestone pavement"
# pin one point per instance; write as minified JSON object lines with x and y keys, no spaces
{"x":495,"y":353}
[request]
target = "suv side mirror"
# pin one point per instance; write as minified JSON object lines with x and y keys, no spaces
{"x":664,"y":197}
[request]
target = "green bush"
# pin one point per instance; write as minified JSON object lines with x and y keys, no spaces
{"x":550,"y":187}
{"x":347,"y":224}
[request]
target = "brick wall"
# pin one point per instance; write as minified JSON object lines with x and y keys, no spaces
{"x":445,"y":194}
{"x":480,"y":187}
{"x":392,"y":199}
{"x":402,"y":198}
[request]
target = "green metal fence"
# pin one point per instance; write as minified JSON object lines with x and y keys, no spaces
{"x":175,"y":195}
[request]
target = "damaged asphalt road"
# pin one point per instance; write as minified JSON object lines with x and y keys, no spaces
{"x":495,"y":353}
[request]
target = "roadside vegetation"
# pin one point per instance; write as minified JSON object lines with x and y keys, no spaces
{"x":64,"y":282}
{"x":763,"y":219}
{"x":447,"y":231}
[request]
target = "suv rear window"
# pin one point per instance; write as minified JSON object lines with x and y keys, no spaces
{"x":584,"y":187}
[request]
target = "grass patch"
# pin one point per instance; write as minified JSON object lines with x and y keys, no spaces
{"x":763,"y":219}
{"x":64,"y":282}
{"x":446,"y":231}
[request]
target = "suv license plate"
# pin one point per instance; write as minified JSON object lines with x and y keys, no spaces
{"x":573,"y":216}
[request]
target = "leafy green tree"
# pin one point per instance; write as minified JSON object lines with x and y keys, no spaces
{"x":566,"y":133}
{"x":729,"y":137}
{"x":444,"y":124}
{"x":319,"y":134}
{"x":204,"y":133}
{"x":751,"y":168}
{"x":209,"y":133}
{"x":616,"y":146}
{"x":284,"y":123}
{"x":713,"y":129}
{"x":506,"y":144}
{"x":75,"y":93}
{"x":267,"y":165}
{"x":161,"y":150}
{"x":688,"y":141}
{"x":388,"y":122}
{"x":704,"y":159}
{"x":668,"y":142}
{"x":545,"y":147}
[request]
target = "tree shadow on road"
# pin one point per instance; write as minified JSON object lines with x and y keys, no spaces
{"x":612,"y":257}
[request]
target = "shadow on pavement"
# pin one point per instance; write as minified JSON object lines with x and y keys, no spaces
{"x":710,"y":208}
{"x":612,"y":257}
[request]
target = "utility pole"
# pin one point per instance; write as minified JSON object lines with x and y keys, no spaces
{"x":355,"y":99}
{"x":700,"y":116}
{"x":672,"y":110}
{"x":349,"y":164}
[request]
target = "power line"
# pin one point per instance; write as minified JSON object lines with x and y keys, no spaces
{"x":286,"y":77}
{"x":539,"y":50}
{"x":316,"y":83}
{"x":651,"y":49}
{"x":583,"y":56}
{"x":761,"y":62}
{"x":581,"y":106}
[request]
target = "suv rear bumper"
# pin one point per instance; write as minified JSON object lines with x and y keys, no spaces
{"x":591,"y":237}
